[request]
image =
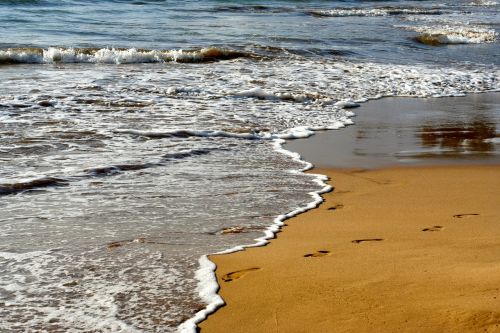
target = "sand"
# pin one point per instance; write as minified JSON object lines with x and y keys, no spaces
{"x":408,"y":241}
{"x":391,"y":250}
{"x":411,"y":131}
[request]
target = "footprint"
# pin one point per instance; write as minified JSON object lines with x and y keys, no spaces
{"x":337,"y":206}
{"x":434,"y":228}
{"x":238,"y":274}
{"x":357,"y":241}
{"x":340,"y":191}
{"x":459,"y":216}
{"x":320,"y":253}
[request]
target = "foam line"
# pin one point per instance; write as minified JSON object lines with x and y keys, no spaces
{"x":208,"y":286}
{"x":378,"y":11}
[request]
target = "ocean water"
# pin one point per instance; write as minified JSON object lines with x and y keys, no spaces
{"x":136,"y":137}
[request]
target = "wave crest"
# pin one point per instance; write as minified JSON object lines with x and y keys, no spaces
{"x":485,"y":3}
{"x":440,"y":35}
{"x":29,"y":55}
{"x":378,"y":11}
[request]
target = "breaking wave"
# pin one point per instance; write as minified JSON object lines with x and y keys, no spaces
{"x":483,"y":3}
{"x":447,"y":34}
{"x":28,"y":55}
{"x":378,"y":11}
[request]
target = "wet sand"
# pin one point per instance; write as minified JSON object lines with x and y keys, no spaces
{"x":411,"y":131}
{"x":408,"y":248}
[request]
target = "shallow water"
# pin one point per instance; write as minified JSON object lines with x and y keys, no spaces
{"x":136,"y":136}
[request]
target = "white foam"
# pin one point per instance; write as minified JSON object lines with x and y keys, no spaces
{"x":22,"y":256}
{"x":207,"y":290}
{"x":373,"y":12}
{"x":110,"y":55}
{"x":452,"y":34}
{"x":486,"y":3}
{"x":298,"y":132}
{"x":284,"y":96}
{"x":255,"y":92}
{"x":208,"y":286}
{"x":346,"y":104}
{"x":187,"y":132}
{"x":493,"y":140}
{"x":41,"y":280}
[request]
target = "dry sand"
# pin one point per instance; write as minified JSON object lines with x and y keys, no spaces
{"x":391,"y":250}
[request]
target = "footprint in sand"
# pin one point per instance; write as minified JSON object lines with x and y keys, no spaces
{"x":434,"y":228}
{"x":320,"y":253}
{"x":238,"y":274}
{"x":337,"y":206}
{"x":340,"y":191}
{"x":460,"y":216}
{"x":357,"y":241}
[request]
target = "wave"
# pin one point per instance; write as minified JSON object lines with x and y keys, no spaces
{"x":51,"y":55}
{"x":304,"y":97}
{"x":262,"y":94}
{"x":298,"y":132}
{"x":186,"y":154}
{"x":251,"y":9}
{"x":190,"y":133}
{"x":378,"y":11}
{"x":14,"y":188}
{"x":486,"y":3}
{"x":22,"y":2}
{"x":447,"y":34}
{"x":273,"y":51}
{"x":106,"y":171}
{"x":115,"y":169}
{"x":32,"y":55}
{"x":335,"y":12}
{"x":119,"y":168}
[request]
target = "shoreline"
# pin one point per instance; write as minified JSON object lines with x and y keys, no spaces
{"x":140,"y":138}
{"x":209,"y":285}
{"x":315,"y":170}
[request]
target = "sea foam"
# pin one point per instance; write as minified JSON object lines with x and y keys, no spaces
{"x":448,"y":34}
{"x":114,"y":55}
{"x":378,"y":11}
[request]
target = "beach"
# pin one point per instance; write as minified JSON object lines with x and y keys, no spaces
{"x":140,"y":138}
{"x":397,"y":246}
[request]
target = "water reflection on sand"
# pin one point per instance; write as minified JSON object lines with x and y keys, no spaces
{"x":411,"y":131}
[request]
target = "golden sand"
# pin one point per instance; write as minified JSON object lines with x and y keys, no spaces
{"x":391,"y":250}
